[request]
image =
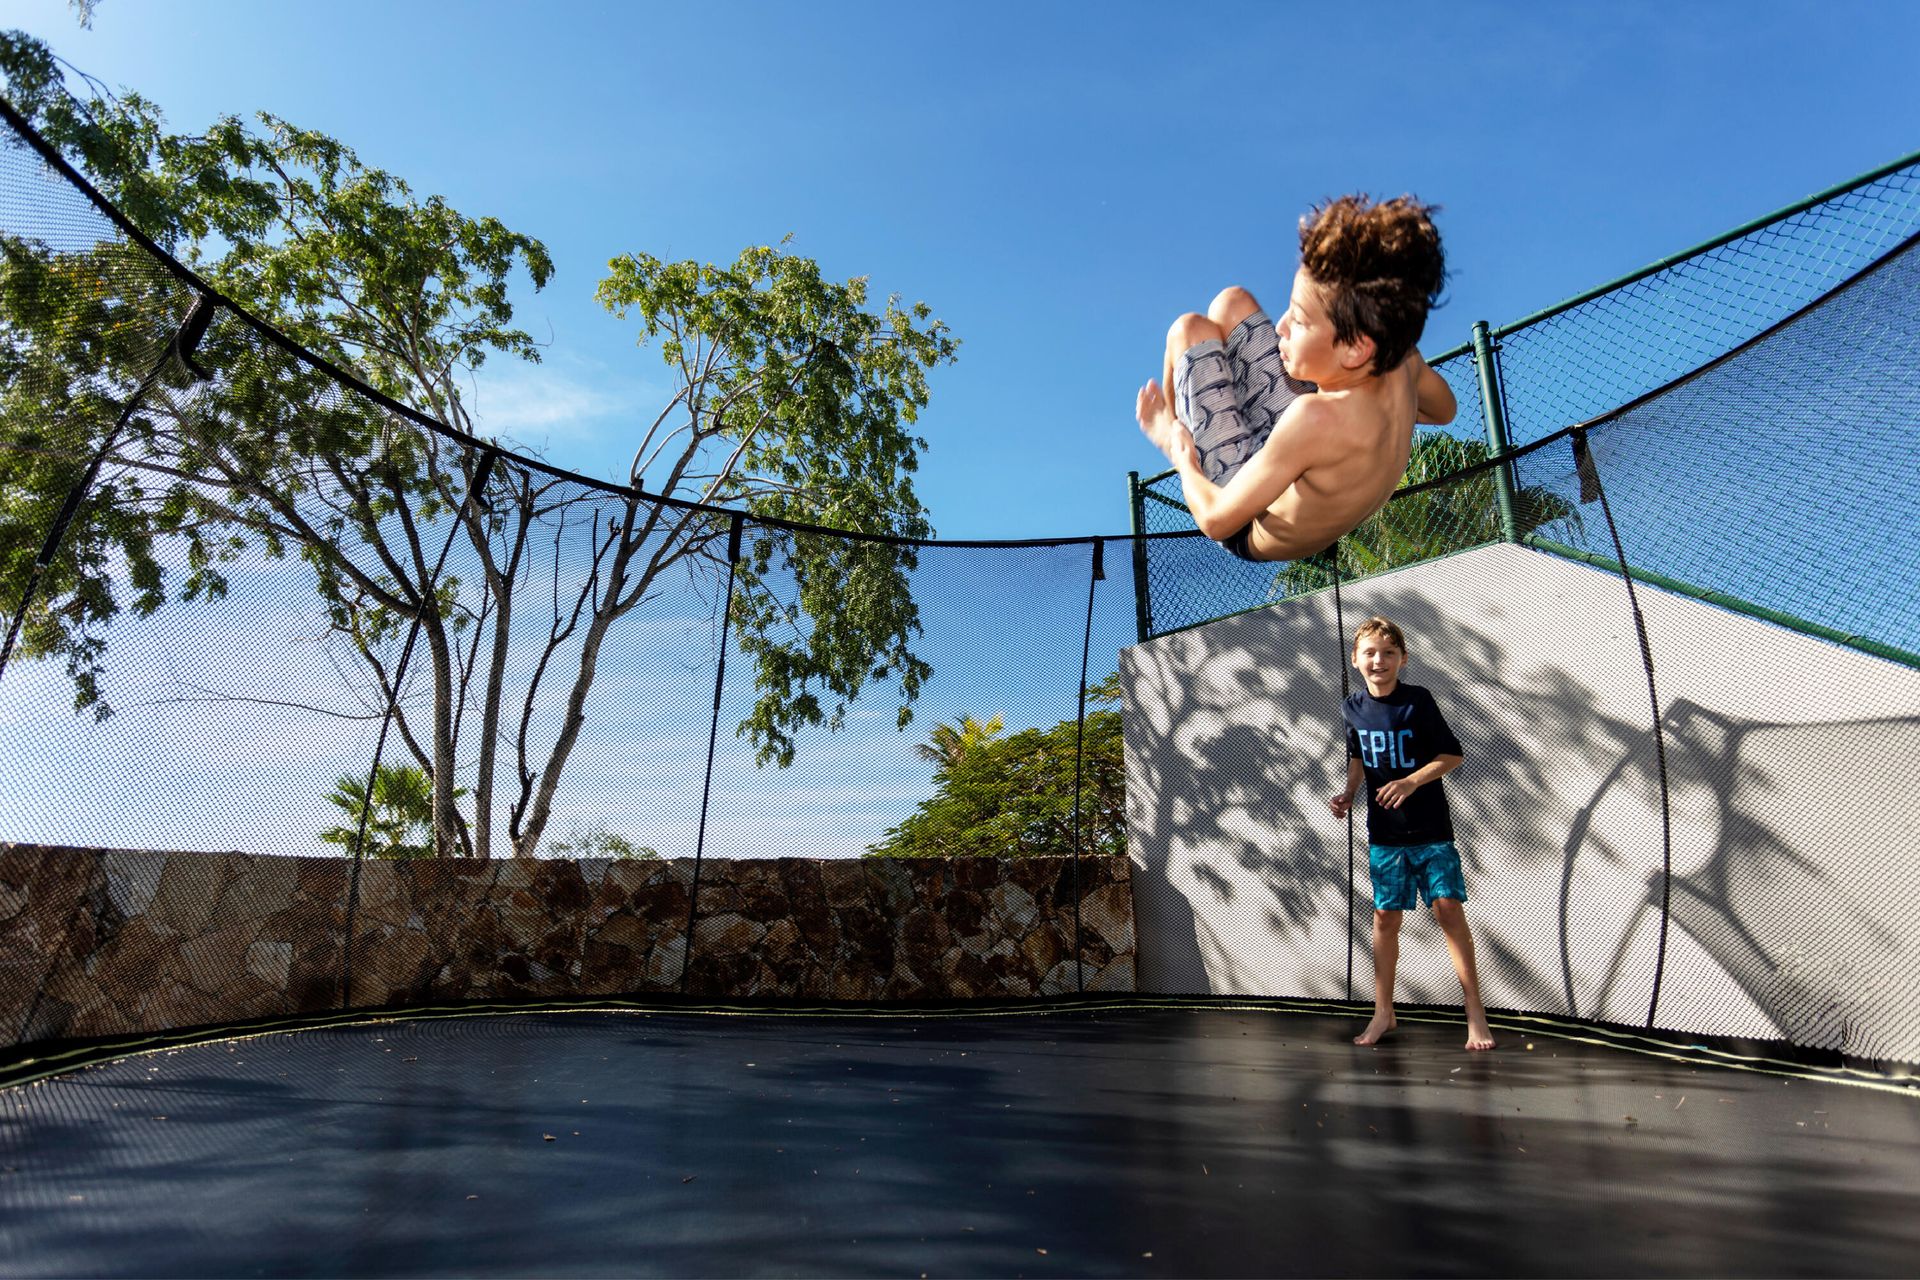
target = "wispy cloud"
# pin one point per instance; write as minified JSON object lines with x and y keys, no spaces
{"x":566,"y":400}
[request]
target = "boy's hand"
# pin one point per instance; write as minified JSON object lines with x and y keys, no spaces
{"x":1341,"y":803}
{"x":1395,"y":793}
{"x":1157,"y":419}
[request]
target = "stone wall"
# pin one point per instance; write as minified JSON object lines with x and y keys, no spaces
{"x":108,"y":942}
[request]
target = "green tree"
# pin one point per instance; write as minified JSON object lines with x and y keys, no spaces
{"x":400,"y":821}
{"x":793,"y":400}
{"x":1013,"y":796}
{"x":948,"y":744}
{"x":1432,"y":522}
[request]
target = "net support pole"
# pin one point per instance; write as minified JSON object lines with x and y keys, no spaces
{"x":1340,"y":640}
{"x":1486,"y":363}
{"x":713,"y":737}
{"x":1094,"y":579}
{"x":1137,"y":523}
{"x":1591,"y":489}
{"x":474,"y":488}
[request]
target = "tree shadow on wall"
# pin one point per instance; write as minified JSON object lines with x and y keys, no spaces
{"x":1775,"y":915}
{"x":1252,"y":732}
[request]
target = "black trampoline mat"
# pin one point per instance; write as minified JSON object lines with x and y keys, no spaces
{"x":1139,"y":1141}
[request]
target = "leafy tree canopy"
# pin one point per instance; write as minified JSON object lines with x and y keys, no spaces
{"x":795,"y":400}
{"x":1014,"y":796}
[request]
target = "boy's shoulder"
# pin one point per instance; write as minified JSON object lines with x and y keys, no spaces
{"x":1419,"y":693}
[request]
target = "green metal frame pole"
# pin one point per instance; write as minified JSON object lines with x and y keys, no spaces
{"x":1137,"y":515}
{"x":1493,"y":407}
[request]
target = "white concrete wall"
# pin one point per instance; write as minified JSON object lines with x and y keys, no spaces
{"x":1791,"y":765}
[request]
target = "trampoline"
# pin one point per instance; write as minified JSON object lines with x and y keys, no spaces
{"x":1113,"y":1138}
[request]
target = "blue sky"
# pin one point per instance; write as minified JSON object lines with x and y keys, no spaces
{"x":1056,"y":180}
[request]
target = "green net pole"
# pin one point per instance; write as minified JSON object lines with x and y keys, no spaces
{"x":1491,"y":404}
{"x":1137,"y":515}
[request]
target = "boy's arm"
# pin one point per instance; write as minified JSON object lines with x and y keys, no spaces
{"x":1342,"y":801}
{"x":1433,"y":400}
{"x":1395,"y":793}
{"x":1223,"y":510}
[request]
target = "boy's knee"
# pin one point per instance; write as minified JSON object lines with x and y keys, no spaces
{"x":1230,"y":306}
{"x":1448,"y":910}
{"x":1191,"y":330}
{"x":1386,"y":921}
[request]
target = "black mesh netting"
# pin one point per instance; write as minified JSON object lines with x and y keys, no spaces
{"x":254,"y":607}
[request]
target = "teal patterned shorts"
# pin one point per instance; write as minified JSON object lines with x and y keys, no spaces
{"x":1404,"y":874}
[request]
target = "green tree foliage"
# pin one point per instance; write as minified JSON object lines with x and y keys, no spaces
{"x":1013,"y":796}
{"x":794,"y":400}
{"x":1433,"y":522}
{"x":948,"y":744}
{"x":400,"y":823}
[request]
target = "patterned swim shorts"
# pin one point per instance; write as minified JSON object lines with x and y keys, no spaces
{"x":1404,"y":874}
{"x":1230,"y":394}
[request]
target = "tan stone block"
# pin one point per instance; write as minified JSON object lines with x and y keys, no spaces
{"x":271,"y":962}
{"x":388,"y":965}
{"x":719,"y":899}
{"x":623,"y":931}
{"x":212,"y":962}
{"x":190,"y":889}
{"x":1061,"y":979}
{"x":727,"y":934}
{"x":380,"y":898}
{"x":133,"y":878}
{"x":1109,"y":912}
{"x":632,"y":874}
{"x":1014,"y":909}
{"x":1116,"y":976}
{"x":666,"y":962}
{"x":782,"y":937}
{"x":515,"y":873}
{"x":12,"y":901}
{"x":264,"y":886}
{"x":1042,"y":950}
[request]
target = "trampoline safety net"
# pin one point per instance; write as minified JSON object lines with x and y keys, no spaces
{"x":1661,"y":572}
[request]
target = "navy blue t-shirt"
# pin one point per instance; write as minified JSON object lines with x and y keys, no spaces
{"x":1391,"y":737}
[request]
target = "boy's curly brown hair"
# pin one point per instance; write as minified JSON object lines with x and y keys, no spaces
{"x":1379,"y":267}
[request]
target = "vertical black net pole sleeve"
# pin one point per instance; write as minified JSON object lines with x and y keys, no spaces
{"x":180,"y":348}
{"x":1590,"y":489}
{"x":474,"y":488}
{"x":1079,"y":754}
{"x":1340,"y":638}
{"x":713,"y":737}
{"x":1137,"y":518}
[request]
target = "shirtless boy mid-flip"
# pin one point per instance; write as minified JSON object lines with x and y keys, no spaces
{"x":1268,"y":470}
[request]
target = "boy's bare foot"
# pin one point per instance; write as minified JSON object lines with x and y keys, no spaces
{"x":1479,"y":1034}
{"x":1157,"y":418}
{"x":1377,"y":1029}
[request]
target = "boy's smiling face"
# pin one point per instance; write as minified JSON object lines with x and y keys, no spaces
{"x":1379,"y":660}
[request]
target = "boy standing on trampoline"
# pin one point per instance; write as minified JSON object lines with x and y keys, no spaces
{"x":1399,"y":744}
{"x":1269,"y":471}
